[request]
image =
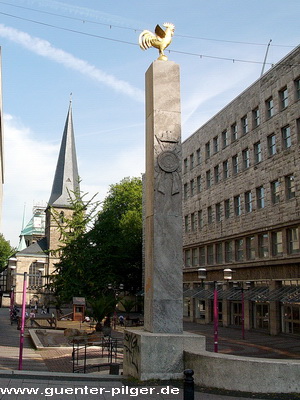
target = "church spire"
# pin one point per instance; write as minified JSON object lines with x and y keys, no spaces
{"x":66,"y":179}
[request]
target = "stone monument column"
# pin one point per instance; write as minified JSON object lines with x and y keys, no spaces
{"x":157,"y":351}
{"x":163,"y":215}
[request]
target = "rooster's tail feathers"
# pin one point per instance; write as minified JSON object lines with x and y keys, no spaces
{"x":145,"y":39}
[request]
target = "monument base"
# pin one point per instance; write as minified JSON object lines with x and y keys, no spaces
{"x":150,"y":355}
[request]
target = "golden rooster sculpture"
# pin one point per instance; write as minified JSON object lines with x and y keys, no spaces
{"x":160,"y":39}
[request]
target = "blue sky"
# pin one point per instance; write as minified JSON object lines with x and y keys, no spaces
{"x":51,"y":48}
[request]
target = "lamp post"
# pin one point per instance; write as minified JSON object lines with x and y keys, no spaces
{"x":235,"y":285}
{"x":202,"y":273}
{"x":116,"y":291}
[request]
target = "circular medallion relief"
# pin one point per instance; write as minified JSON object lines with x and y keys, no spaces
{"x":168,"y":161}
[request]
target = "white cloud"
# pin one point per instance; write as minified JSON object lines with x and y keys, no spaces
{"x":28,"y":175}
{"x":45,"y":49}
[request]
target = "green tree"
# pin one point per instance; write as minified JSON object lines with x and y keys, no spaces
{"x":117,"y":236}
{"x":70,"y":278}
{"x":5,"y":252}
{"x":109,"y":253}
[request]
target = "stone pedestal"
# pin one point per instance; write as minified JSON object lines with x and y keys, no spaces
{"x":157,"y":356}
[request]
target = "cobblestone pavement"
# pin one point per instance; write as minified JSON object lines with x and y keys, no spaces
{"x":255,"y":344}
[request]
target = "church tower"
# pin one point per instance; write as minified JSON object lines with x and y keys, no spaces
{"x":65,"y":183}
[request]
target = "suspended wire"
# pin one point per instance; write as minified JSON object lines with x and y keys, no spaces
{"x":67,"y":29}
{"x":67,"y":17}
{"x":135,"y":29}
{"x":130,"y":43}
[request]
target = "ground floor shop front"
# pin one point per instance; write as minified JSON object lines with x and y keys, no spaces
{"x":261,"y":306}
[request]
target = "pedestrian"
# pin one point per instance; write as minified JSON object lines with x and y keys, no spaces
{"x":31,"y":316}
{"x":121,"y":320}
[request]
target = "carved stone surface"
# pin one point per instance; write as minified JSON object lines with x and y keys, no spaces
{"x":163,"y":219}
{"x":157,"y":356}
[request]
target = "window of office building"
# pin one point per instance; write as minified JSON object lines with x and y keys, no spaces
{"x":298,"y":129}
{"x":187,"y":258}
{"x":290,"y":187}
{"x":192,"y":187}
{"x":269,"y":107}
{"x":198,"y":155}
{"x":186,"y":223}
{"x":228,"y":251}
{"x":227,"y":208}
{"x":208,"y":179}
{"x":202,"y":255}
{"x":192,"y":161}
{"x":224,"y":139}
{"x":257,"y":153}
{"x":225,"y":169}
{"x":239,"y":250}
{"x":297,"y":89}
{"x":200,"y":219}
{"x":234,"y":132}
{"x":275,"y":191}
{"x":263,"y":245}
{"x":256,"y":117}
{"x":194,"y":257}
{"x":218,"y":212}
{"x":271,"y":144}
{"x":286,"y":137}
{"x":277,"y":249}
{"x":209,"y":215}
{"x":216,"y":144}
{"x":185,"y":191}
{"x":210,"y":254}
{"x":185,"y":165}
{"x":246,"y":158}
{"x":219,"y":253}
{"x":235,"y":164}
{"x":248,"y":202}
{"x":244,"y":123}
{"x":283,"y":98}
{"x":193,"y":222}
{"x":293,"y":240}
{"x":250,"y":248}
{"x":217,"y":174}
{"x":260,"y":197}
{"x":207,"y":150}
{"x":199,"y":187}
{"x":237,"y":205}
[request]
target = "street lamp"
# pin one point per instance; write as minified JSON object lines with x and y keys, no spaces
{"x":202,"y":273}
{"x":116,"y":291}
{"x":241,"y":288}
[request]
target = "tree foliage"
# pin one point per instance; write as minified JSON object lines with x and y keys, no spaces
{"x":70,"y":275}
{"x":117,"y":235}
{"x":5,"y":252}
{"x":109,"y":253}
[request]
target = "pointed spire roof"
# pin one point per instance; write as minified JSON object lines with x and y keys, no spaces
{"x":66,"y":179}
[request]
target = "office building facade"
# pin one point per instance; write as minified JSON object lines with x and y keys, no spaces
{"x":241,"y":207}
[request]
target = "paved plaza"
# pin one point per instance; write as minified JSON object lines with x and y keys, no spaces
{"x":50,"y":371}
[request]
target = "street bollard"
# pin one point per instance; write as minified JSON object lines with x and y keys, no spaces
{"x":188,"y":385}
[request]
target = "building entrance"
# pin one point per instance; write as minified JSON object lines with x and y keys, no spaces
{"x":291,"y":319}
{"x":236,"y":313}
{"x":261,"y":316}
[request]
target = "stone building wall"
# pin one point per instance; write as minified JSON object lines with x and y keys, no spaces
{"x":286,"y":162}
